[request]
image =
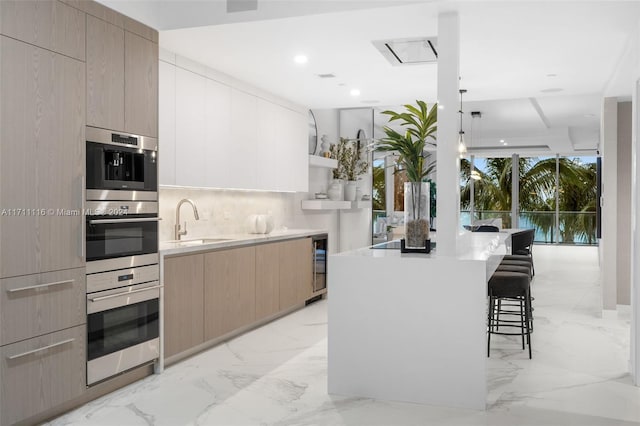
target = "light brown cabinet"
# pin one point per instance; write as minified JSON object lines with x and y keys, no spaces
{"x":183,"y":303}
{"x":215,"y":293}
{"x":42,"y":116}
{"x":267,"y":280}
{"x":49,"y":24}
{"x":229,"y":290}
{"x":33,"y":305}
{"x":295,"y":272}
{"x":140,"y":85}
{"x":122,"y":78}
{"x":105,"y":74}
{"x":41,"y":373}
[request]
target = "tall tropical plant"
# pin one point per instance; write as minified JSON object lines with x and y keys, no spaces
{"x":419,"y":123}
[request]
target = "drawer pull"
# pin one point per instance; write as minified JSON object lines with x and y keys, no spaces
{"x":31,"y":287}
{"x":44,"y":348}
{"x":123,"y":294}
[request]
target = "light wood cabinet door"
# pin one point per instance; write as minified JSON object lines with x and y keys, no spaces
{"x":42,"y":157}
{"x":140,"y":85}
{"x":267,"y":280}
{"x":33,"y":305}
{"x":105,"y":74}
{"x":51,"y":25}
{"x":295,"y":272}
{"x":229,"y":290}
{"x":40,"y":373}
{"x":183,"y":303}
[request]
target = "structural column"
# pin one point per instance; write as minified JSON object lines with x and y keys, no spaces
{"x":448,"y":169}
{"x":608,"y":243}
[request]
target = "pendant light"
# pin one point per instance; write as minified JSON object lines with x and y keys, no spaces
{"x":475,"y":175}
{"x":462,"y":148}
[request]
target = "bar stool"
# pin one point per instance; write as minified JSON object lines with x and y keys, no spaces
{"x":523,"y":270}
{"x":505,"y":285}
{"x":520,"y":263}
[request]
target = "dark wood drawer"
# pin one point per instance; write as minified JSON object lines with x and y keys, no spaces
{"x":33,"y":305}
{"x":41,"y":373}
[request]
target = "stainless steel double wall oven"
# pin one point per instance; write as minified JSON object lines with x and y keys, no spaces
{"x":123,"y":286}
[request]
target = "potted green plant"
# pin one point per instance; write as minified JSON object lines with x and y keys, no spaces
{"x":420,"y":123}
{"x":350,"y":165}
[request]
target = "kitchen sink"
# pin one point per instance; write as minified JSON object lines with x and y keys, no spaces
{"x":200,"y":241}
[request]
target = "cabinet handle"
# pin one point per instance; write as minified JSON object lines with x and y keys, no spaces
{"x":83,"y":226}
{"x":31,"y":287}
{"x":126,"y":293}
{"x":134,"y":220}
{"x":44,"y":348}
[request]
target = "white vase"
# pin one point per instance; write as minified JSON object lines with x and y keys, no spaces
{"x":336,"y":190}
{"x":350,"y":190}
{"x":261,"y":224}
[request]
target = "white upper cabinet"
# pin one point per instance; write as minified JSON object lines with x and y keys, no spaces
{"x":191,"y":161}
{"x":167,"y":123}
{"x":268,"y":146}
{"x":217,"y":136}
{"x":218,"y":173}
{"x":241,"y":152}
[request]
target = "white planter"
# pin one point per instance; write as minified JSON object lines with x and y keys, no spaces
{"x":350,"y":190}
{"x":336,"y":190}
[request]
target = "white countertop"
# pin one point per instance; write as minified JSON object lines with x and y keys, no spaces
{"x":168,"y":248}
{"x":471,"y":246}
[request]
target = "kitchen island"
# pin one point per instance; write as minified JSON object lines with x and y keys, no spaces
{"x":412,"y":327}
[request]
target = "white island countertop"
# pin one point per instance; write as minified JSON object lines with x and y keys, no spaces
{"x":412,"y":327}
{"x":194,"y":244}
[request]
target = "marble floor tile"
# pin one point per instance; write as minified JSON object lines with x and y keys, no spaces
{"x":277,"y":374}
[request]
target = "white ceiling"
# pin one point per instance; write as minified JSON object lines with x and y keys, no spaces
{"x":507,"y":51}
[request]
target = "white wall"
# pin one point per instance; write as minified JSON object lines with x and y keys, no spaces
{"x":319,"y":178}
{"x":355,"y":225}
{"x":623,"y":258}
{"x":222,"y":211}
{"x":609,"y":146}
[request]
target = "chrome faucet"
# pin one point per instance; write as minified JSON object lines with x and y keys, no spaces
{"x":179,"y":231}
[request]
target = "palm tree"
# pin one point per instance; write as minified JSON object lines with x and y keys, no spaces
{"x":537,"y":193}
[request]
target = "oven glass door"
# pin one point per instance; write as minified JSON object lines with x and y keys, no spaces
{"x":131,"y":235}
{"x":116,"y":329}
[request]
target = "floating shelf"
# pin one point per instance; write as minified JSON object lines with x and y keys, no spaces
{"x":334,"y":205}
{"x":362,"y":204}
{"x":325,"y":205}
{"x":317,"y":161}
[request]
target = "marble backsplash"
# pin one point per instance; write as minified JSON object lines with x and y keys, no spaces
{"x":222,"y":211}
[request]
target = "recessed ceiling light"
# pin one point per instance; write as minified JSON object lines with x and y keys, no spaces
{"x":300,"y":59}
{"x":440,"y":106}
{"x":354,"y":92}
{"x":552,"y":90}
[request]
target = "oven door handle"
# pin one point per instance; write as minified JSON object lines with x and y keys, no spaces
{"x":111,"y":296}
{"x":137,"y":219}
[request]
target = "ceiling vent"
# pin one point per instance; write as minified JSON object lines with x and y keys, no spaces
{"x":327,"y":75}
{"x":408,"y":51}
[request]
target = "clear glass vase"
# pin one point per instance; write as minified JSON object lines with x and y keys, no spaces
{"x":416,"y":214}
